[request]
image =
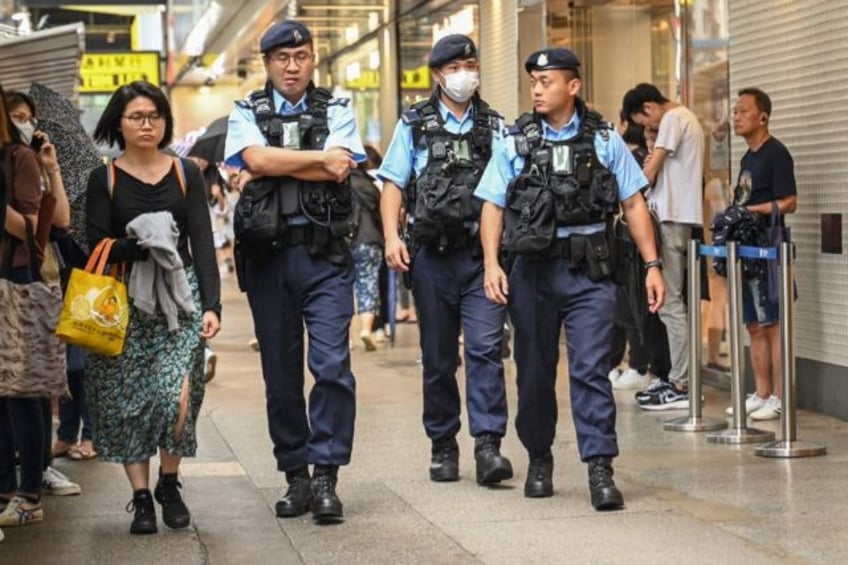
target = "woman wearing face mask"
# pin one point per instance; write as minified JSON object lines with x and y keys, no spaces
{"x":436,"y":158}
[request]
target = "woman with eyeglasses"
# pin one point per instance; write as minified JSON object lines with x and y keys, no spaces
{"x":148,"y":398}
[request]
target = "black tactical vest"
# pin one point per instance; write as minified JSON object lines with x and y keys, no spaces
{"x":440,"y":199}
{"x":267,"y":204}
{"x":562,"y":184}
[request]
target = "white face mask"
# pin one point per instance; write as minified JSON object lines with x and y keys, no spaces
{"x":461,"y":85}
{"x":27,"y":130}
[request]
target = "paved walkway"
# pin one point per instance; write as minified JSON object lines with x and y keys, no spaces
{"x":687,"y":500}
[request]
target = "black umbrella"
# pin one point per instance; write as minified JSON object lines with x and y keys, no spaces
{"x":59,"y":118}
{"x":210,"y":145}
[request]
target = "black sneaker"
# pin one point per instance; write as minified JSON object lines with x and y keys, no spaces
{"x":605,"y":495}
{"x":444,"y":461}
{"x":298,"y":497}
{"x":325,"y":503}
{"x":669,"y":397}
{"x":144,"y":519}
{"x":539,"y":483}
{"x":492,"y":467}
{"x":175,"y":513}
{"x":653,"y":389}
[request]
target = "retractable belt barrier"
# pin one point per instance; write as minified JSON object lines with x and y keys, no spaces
{"x":739,"y":433}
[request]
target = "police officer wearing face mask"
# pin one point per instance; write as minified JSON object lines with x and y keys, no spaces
{"x":551,"y":190}
{"x":437,"y":155}
{"x":298,"y":145}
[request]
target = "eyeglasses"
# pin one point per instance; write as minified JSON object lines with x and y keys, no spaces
{"x":300,"y":58}
{"x":138,"y":120}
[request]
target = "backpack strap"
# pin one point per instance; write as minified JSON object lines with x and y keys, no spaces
{"x":111,"y":173}
{"x":179,"y":167}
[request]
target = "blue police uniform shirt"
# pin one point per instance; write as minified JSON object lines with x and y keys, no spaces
{"x":612,"y":152}
{"x":242,"y":131}
{"x":402,"y":160}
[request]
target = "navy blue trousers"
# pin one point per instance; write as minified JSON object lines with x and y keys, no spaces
{"x":543,"y":295}
{"x":448,"y":293}
{"x":287,"y":290}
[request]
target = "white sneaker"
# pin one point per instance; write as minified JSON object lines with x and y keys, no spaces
{"x":614,"y":375}
{"x":630,"y":380}
{"x":752,"y":403}
{"x":58,"y":484}
{"x":770,"y":410}
{"x":380,"y":336}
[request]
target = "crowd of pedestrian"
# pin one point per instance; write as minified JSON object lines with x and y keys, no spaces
{"x":558,"y":220}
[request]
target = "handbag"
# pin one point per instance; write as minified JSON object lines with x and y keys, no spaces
{"x":95,"y":313}
{"x":32,"y":358}
{"x":777,"y":233}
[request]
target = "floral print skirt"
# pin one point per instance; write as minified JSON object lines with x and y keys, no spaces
{"x":134,"y":398}
{"x":366,"y":264}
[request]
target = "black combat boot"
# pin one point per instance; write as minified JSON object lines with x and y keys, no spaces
{"x":298,"y":497}
{"x":539,"y":483}
{"x":175,"y":513}
{"x":605,"y":495}
{"x":444,"y":460}
{"x":325,"y":504}
{"x":144,"y":520}
{"x":492,"y":467}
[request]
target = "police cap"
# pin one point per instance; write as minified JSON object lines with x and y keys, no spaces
{"x":451,"y":47}
{"x":549,"y":59}
{"x":288,"y":33}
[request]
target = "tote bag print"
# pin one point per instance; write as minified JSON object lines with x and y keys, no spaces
{"x":96,"y":310}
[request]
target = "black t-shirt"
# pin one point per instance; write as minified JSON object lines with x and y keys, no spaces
{"x":766,"y":174}
{"x":108,"y":216}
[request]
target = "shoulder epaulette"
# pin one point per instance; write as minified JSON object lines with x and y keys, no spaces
{"x":522,"y":122}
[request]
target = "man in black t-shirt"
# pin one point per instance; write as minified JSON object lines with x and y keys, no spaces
{"x":766,"y":180}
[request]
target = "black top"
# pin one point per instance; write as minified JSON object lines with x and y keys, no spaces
{"x":766,"y":174}
{"x":108,"y":217}
{"x":367,"y":198}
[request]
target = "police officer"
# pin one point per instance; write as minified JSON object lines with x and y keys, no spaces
{"x":296,"y":145}
{"x":551,"y":190}
{"x":438,"y":152}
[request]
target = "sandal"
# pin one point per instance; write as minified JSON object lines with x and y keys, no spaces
{"x":83,"y":452}
{"x":62,"y":448}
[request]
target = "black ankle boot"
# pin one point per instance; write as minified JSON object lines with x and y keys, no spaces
{"x":325,"y":504}
{"x":539,"y":483}
{"x":492,"y":467}
{"x":175,"y":513}
{"x":605,"y":495}
{"x":144,"y":520}
{"x":444,"y":460}
{"x":298,"y":497}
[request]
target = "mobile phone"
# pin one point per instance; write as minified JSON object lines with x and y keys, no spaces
{"x":36,"y":143}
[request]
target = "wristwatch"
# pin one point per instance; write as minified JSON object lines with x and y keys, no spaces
{"x":655,"y":263}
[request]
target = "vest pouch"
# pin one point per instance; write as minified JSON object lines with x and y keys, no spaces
{"x":437,"y":212}
{"x":603,"y":191}
{"x":567,"y":201}
{"x":598,"y":258}
{"x":257,"y":219}
{"x":529,"y":219}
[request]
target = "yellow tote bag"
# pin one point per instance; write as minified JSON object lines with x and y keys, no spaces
{"x":95,"y":313}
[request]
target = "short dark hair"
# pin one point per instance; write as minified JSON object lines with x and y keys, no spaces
{"x":15,"y":98}
{"x":108,"y":128}
{"x":374,"y":157}
{"x":635,"y":99}
{"x":634,"y":134}
{"x":761,"y":99}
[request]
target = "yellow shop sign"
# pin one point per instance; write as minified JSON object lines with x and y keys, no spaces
{"x":105,"y":72}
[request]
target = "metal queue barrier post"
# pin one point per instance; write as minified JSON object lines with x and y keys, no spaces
{"x":789,"y":445}
{"x":738,"y":433}
{"x":695,"y":422}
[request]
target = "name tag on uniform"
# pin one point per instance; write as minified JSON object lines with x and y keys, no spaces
{"x":562,"y":159}
{"x":462,"y":150}
{"x":291,"y":135}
